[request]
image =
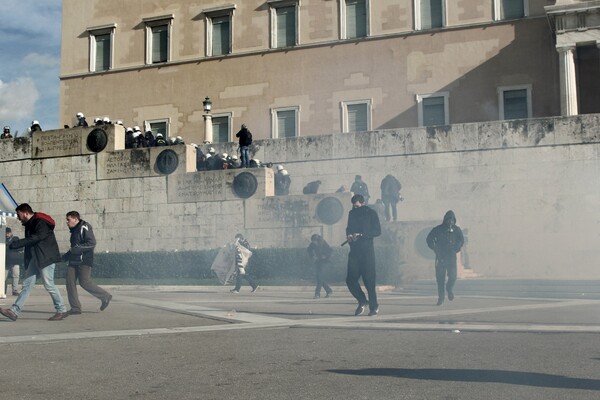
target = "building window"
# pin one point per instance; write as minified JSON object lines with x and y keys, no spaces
{"x":429,"y":14}
{"x":221,"y":128}
{"x":284,"y":23}
{"x":433,"y":109}
{"x":158,"y":126}
{"x":101,"y":47}
{"x":510,"y":9}
{"x":158,"y":37}
{"x":219,"y":30}
{"x":356,"y":116}
{"x":354,"y":19}
{"x":515,"y":102}
{"x":285,"y":122}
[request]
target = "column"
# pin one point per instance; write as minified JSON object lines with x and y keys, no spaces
{"x":208,"y":128}
{"x":568,"y":82}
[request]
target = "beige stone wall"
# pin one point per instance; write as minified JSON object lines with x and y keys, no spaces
{"x":469,"y":61}
{"x":527,"y":192}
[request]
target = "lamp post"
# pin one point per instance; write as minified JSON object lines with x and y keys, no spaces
{"x":208,"y":131}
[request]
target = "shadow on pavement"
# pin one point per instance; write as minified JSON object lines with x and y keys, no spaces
{"x":475,"y":375}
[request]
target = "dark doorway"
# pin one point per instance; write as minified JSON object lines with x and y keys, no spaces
{"x":588,"y":79}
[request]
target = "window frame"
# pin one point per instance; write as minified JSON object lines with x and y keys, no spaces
{"x":502,"y":89}
{"x":421,"y":115}
{"x":498,"y":10}
{"x":153,"y":22}
{"x":229,"y":117}
{"x":166,"y":121}
{"x":209,"y":14}
{"x":344,"y":23}
{"x":99,"y":31}
{"x":274,"y":120}
{"x":275,"y":5}
{"x":418,"y":20}
{"x":344,"y":108}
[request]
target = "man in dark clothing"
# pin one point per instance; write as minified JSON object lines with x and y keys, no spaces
{"x":149,"y":136}
{"x":245,"y":137}
{"x":311,"y":187}
{"x":6,"y":133}
{"x":160,"y":140}
{"x":41,"y":254}
{"x":282,"y":182}
{"x":390,"y":195}
{"x":13,"y":262}
{"x":320,"y":252}
{"x":363,"y":226}
{"x":445,"y":240}
{"x":80,"y":259}
{"x":242,"y":255}
{"x":359,"y":187}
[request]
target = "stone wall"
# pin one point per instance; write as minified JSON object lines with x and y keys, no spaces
{"x":527,"y":192}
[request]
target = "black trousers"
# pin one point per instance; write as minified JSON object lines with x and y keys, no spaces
{"x":321,"y":267}
{"x":361,"y":263}
{"x":239,"y":277}
{"x":443,"y":268}
{"x":391,"y":204}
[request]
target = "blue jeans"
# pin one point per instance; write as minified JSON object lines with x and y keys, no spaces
{"x":245,"y":156}
{"x":47,"y":275}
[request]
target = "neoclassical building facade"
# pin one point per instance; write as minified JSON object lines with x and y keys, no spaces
{"x":290,"y":68}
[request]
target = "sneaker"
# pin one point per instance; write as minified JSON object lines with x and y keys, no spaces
{"x":450,"y":295}
{"x":59,"y":316}
{"x":254,"y":289}
{"x":359,"y":310}
{"x":316,"y":296}
{"x":328,"y":295}
{"x":8,"y":313}
{"x":234,"y":291}
{"x":16,"y":293}
{"x":373,"y":312}
{"x":105,"y":302}
{"x":440,"y":301}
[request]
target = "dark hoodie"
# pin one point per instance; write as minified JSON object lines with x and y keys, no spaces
{"x":41,"y":248}
{"x":446,"y":239}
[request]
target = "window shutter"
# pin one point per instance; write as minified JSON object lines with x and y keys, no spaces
{"x":356,"y":18}
{"x":512,"y":9}
{"x":515,"y":104}
{"x":433,"y":111}
{"x":221,"y":129}
{"x":102,"y":52}
{"x":431,"y":14}
{"x":357,"y":117}
{"x":286,"y":26}
{"x":220,"y":42}
{"x":286,"y":124}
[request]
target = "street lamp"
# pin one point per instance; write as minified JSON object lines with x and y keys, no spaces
{"x":208,"y":132}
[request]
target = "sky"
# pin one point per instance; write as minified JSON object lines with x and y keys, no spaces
{"x":30,"y":36}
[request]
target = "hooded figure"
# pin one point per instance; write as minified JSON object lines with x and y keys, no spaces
{"x":445,"y":240}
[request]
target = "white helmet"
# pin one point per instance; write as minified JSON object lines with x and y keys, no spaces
{"x":79,"y":115}
{"x":179,"y":137}
{"x":97,"y":119}
{"x":159,"y":135}
{"x":136,"y":134}
{"x":224,"y":155}
{"x":234,"y":157}
{"x":35,"y":122}
{"x":106,"y":120}
{"x":119,"y":122}
{"x":280,"y":167}
{"x":129,"y":129}
{"x":136,"y":129}
{"x":208,"y":155}
{"x":284,"y":172}
{"x":195,"y":145}
{"x":211,"y":150}
{"x":256,"y":160}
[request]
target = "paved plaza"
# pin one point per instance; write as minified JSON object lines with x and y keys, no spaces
{"x":202,"y":342}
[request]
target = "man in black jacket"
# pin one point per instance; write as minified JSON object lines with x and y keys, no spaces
{"x":13,"y":261}
{"x":245,"y":142}
{"x":390,"y":195}
{"x":445,"y":240}
{"x":41,"y":254}
{"x":80,"y":258}
{"x":363,"y":226}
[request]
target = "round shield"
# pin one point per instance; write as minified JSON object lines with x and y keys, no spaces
{"x":330,"y":210}
{"x":167,"y":162}
{"x":97,"y":140}
{"x":245,"y":185}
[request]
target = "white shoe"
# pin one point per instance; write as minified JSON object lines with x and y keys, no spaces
{"x":254,"y":289}
{"x":234,"y":291}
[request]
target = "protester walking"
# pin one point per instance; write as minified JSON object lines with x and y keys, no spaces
{"x":320,"y":253}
